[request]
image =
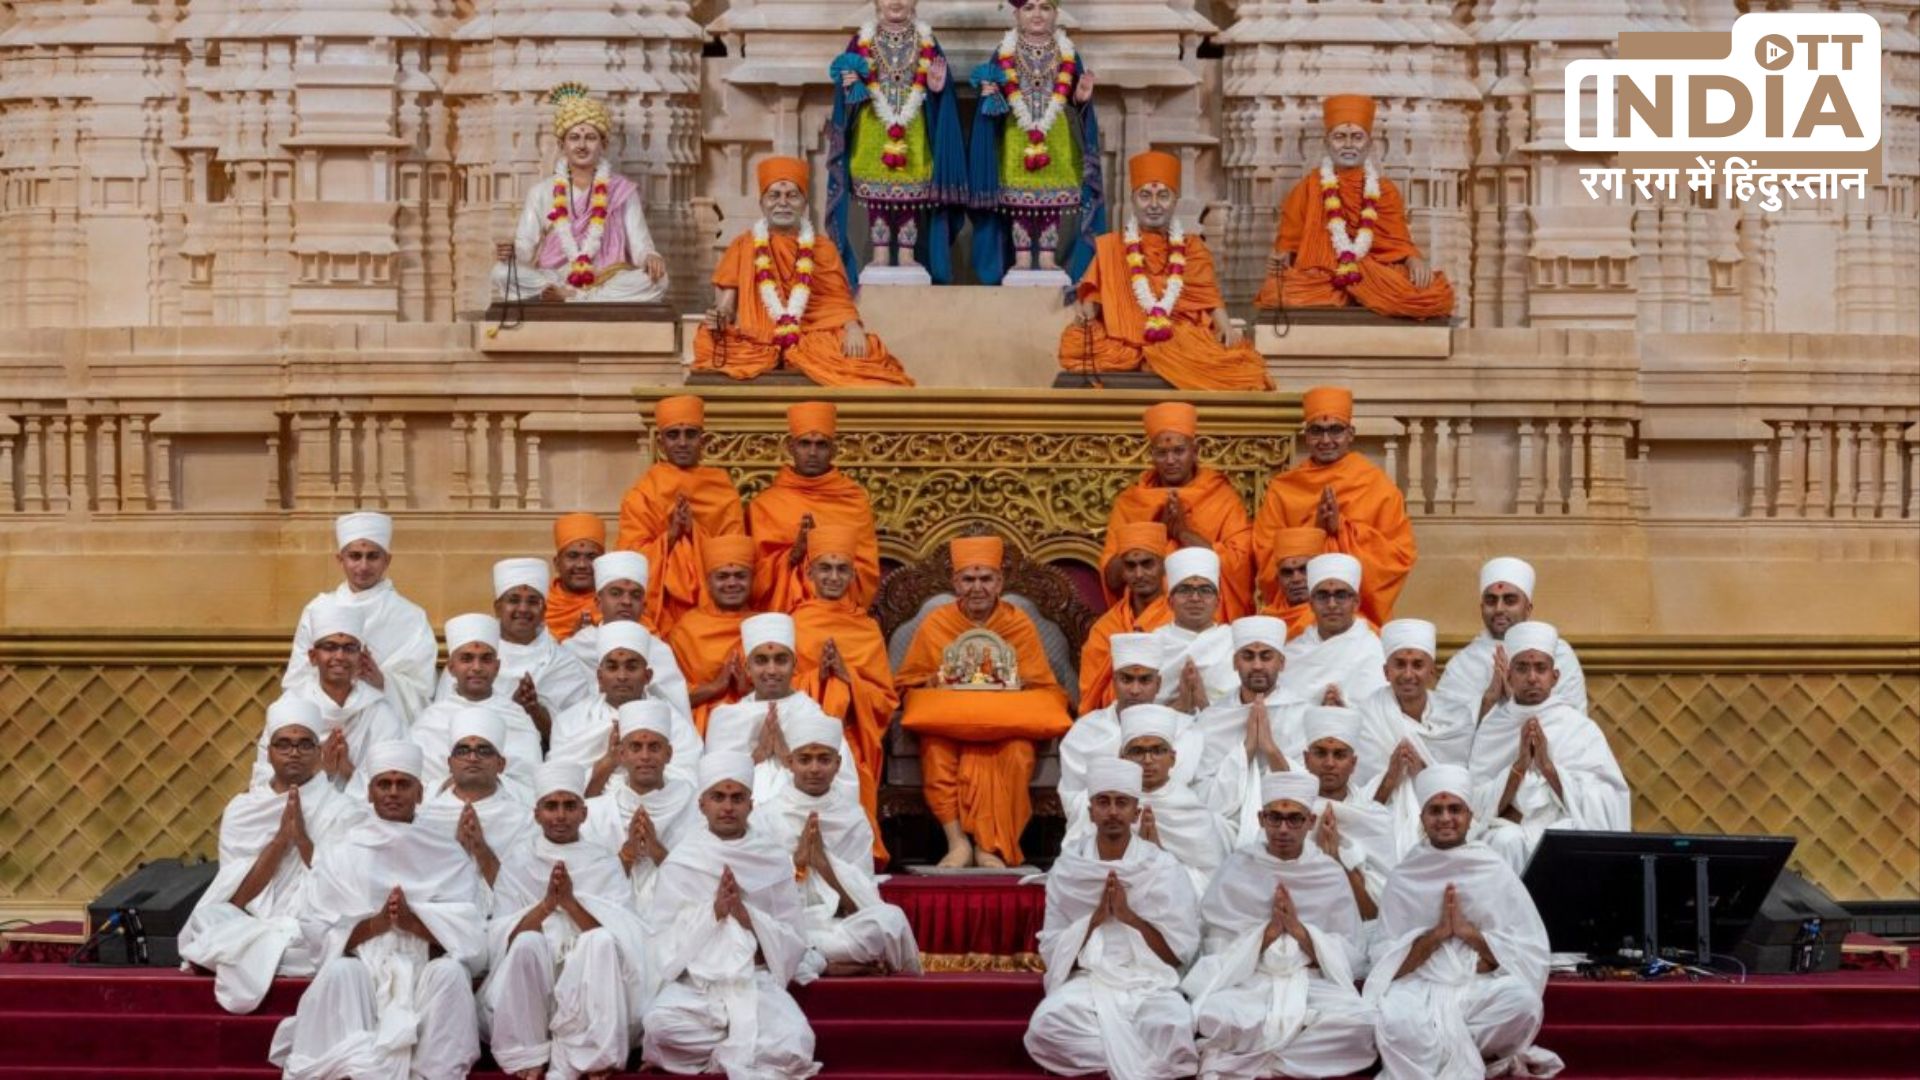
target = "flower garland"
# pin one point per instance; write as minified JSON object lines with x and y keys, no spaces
{"x":1159,"y":309}
{"x":893,"y":153}
{"x":579,"y":259}
{"x":786,"y":313}
{"x":1349,"y":250}
{"x":1035,"y":156}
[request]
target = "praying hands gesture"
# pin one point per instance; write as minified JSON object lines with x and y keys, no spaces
{"x":679,"y":521}
{"x":1148,"y":830}
{"x":1332,"y":697}
{"x":1113,"y":906}
{"x":773,"y":741}
{"x":292,"y":832}
{"x":1402,"y":765}
{"x":604,"y":765}
{"x":643,"y":841}
{"x":334,"y":759}
{"x":527,"y":697}
{"x":558,"y":898}
{"x":1496,"y":691}
{"x":797,"y":554}
{"x":1533,"y":757}
{"x":1284,"y":918}
{"x":1327,"y":514}
{"x":473,"y":839}
{"x":1174,"y":516}
{"x":1259,"y":742}
{"x":1326,"y":834}
{"x":833,"y":665}
{"x":1191,"y":697}
{"x":369,"y":672}
{"x":730,"y":679}
{"x":728,"y":903}
{"x":1453,"y":925}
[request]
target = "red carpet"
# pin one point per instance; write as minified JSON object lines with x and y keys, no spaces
{"x":977,"y":922}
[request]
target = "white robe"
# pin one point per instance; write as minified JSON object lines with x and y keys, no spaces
{"x":1112,"y":1004}
{"x":1446,"y":1021}
{"x":1097,"y":734}
{"x":398,"y":635}
{"x":506,"y":818}
{"x":1189,"y":829}
{"x":246,"y":947}
{"x":717,"y":1009}
{"x":389,"y":1011}
{"x":674,"y":809}
{"x":1596,"y":795}
{"x":1224,"y":776}
{"x":367,"y":717}
{"x":433,"y":733}
{"x":556,"y":996}
{"x":665,"y":682}
{"x":559,"y":679}
{"x":580,"y":737}
{"x":1273,"y":1012}
{"x":1443,"y":735}
{"x":1352,"y":660}
{"x":876,"y":932}
{"x":736,"y":727}
{"x":631,"y":286}
{"x":1470,"y":670}
{"x":1211,"y":651}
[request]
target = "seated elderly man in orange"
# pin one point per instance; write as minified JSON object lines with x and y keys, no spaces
{"x":1150,"y":298}
{"x":976,"y":745}
{"x":798,"y":309}
{"x":1343,"y":235}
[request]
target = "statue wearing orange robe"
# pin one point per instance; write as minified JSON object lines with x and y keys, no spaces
{"x":578,"y":539}
{"x":1391,"y":277}
{"x":649,"y":510}
{"x":739,"y":339}
{"x":809,"y":487}
{"x":706,"y":640}
{"x":978,"y":791}
{"x":1141,"y":607}
{"x":1282,"y":556}
{"x":1356,"y":506}
{"x":1209,"y":511}
{"x":1203,"y":350}
{"x":842,"y":661}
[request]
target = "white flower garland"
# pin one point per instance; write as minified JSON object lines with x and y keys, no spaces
{"x":596,"y":227}
{"x":785,"y":313}
{"x":910,"y":105}
{"x":1354,"y":247}
{"x":1056,"y":102}
{"x":1158,"y":309}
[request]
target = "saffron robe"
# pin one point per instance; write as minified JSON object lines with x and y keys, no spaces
{"x":1096,"y":656}
{"x":1384,"y":286}
{"x":677,"y":577}
{"x":701,"y":641}
{"x":1373,"y":526}
{"x":865,"y":708}
{"x":564,"y":608}
{"x":1213,"y":510}
{"x":833,"y":498}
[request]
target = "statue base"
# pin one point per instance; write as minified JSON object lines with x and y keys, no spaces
{"x":876,"y":274}
{"x":1110,"y":380}
{"x":1035,"y":279}
{"x":776,"y":377}
{"x":1350,"y":332}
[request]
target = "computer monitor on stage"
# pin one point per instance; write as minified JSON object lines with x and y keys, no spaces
{"x":1612,"y":893}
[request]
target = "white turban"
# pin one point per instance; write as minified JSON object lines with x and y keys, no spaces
{"x":815,"y":728}
{"x":1514,"y":572}
{"x":295,"y":711}
{"x":1300,"y":787}
{"x":1135,"y":650}
{"x":1192,"y":562}
{"x":772,"y":628}
{"x":473,"y":629}
{"x":1259,"y":630}
{"x":567,"y":776}
{"x":630,"y":636}
{"x":724,"y":765}
{"x":1115,"y":774}
{"x":1327,"y":722}
{"x":1451,"y":779}
{"x":1408,"y":634}
{"x":479,"y":722}
{"x":363,"y":525}
{"x":394,"y":755}
{"x":1531,"y":636}
{"x":1148,"y":721}
{"x":509,"y":573}
{"x":619,"y":566}
{"x":331,"y":617}
{"x":1335,"y":567}
{"x":646,"y":714}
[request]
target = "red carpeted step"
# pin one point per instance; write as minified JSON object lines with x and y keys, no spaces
{"x":958,"y":1044}
{"x":1746,"y":1050}
{"x":65,"y":1038}
{"x":1692,"y":1004}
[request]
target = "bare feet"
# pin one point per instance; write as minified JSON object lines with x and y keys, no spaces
{"x":989,"y":859}
{"x":959,"y":848}
{"x":1047,"y":261}
{"x":903,"y":256}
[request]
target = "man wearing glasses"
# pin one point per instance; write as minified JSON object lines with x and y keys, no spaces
{"x":357,"y":714}
{"x":1196,"y":666}
{"x":490,"y":820}
{"x":1347,"y":497}
{"x":1338,"y":659}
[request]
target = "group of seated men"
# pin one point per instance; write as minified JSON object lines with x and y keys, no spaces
{"x":639,"y":800}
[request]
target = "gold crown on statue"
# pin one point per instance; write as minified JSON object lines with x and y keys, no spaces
{"x":573,"y":104}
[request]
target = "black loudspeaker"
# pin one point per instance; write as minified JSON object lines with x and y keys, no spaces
{"x":1798,"y":929}
{"x":139,"y":918}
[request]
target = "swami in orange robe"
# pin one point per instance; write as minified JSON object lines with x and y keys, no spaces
{"x":1371,"y":515}
{"x":809,"y":487}
{"x":1282,"y":553}
{"x":1210,"y":511}
{"x":648,"y":510}
{"x":859,"y":690}
{"x":1385,"y":278}
{"x":1203,"y":351}
{"x":749,"y":346}
{"x":979,"y":790}
{"x":578,"y":539}
{"x":708,"y":637}
{"x":1140,"y":608}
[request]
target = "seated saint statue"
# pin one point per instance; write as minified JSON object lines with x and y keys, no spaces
{"x":1150,"y":298}
{"x":1343,"y":236}
{"x":581,"y":235}
{"x":799,"y":312}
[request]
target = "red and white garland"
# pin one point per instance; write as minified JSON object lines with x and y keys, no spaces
{"x":579,"y":259}
{"x":1159,"y":309}
{"x":786,"y":313}
{"x":1035,"y":156}
{"x":893,"y":154}
{"x":1349,"y":250}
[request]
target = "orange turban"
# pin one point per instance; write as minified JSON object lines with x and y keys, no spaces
{"x":683,"y":411}
{"x":1171,"y":416}
{"x":841,"y":540}
{"x":1304,"y":541}
{"x":1140,"y":536}
{"x":1355,"y":109}
{"x":1144,"y":169}
{"x":731,"y":549}
{"x":571,"y":528}
{"x":775,"y":169}
{"x":812,"y":418}
{"x":977,"y":551}
{"x":1334,"y":401}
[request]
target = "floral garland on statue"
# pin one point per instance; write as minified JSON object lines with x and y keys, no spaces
{"x":579,"y":264}
{"x":1159,"y":309}
{"x":786,"y":313}
{"x":1035,"y":156}
{"x":1349,"y":250}
{"x":893,"y":153}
